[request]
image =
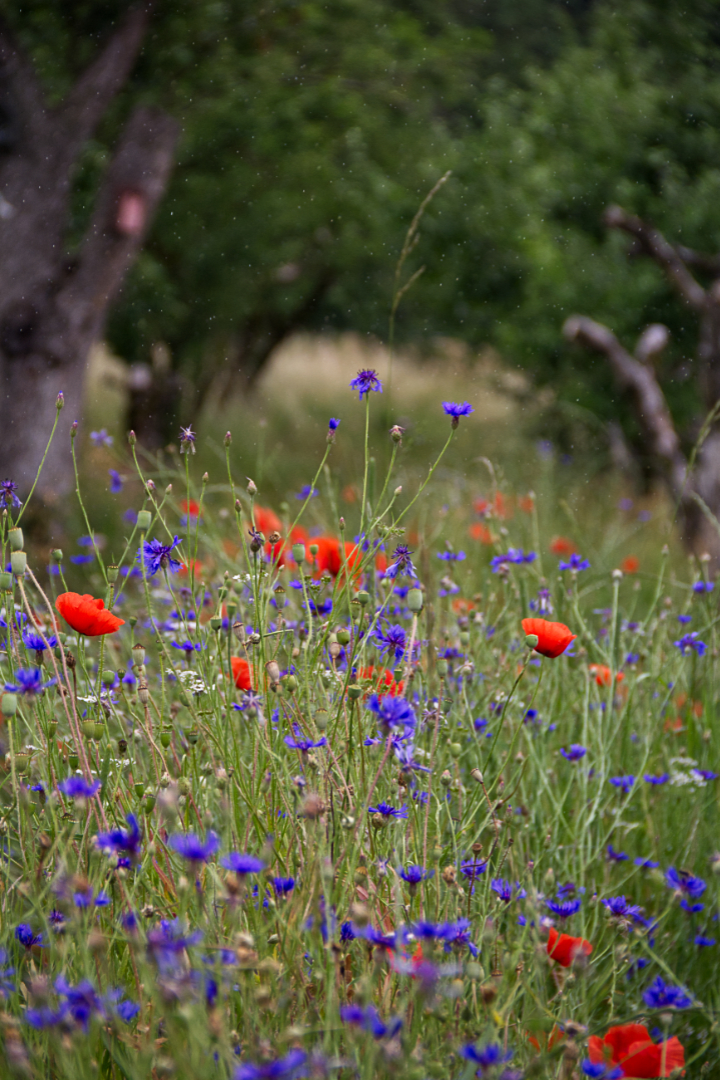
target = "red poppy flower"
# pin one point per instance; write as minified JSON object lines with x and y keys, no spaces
{"x":563,"y":948}
{"x":480,"y":532}
{"x":526,"y":503}
{"x":86,"y":615}
{"x":242,"y":672}
{"x":383,"y":681}
{"x":553,"y":637}
{"x":499,"y":507}
{"x":630,"y":564}
{"x":630,"y":1048}
{"x":560,"y":545}
{"x":603,"y":674}
{"x":191,"y":508}
{"x":267,"y":521}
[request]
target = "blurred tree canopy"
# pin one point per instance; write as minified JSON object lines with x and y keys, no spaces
{"x":312,"y":130}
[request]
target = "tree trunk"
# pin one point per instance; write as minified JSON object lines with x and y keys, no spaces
{"x":52,"y":309}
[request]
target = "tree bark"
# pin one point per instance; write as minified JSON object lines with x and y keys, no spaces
{"x":52,"y":309}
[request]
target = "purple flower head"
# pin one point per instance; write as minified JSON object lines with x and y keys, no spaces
{"x":703,"y":942}
{"x":119,"y":841}
{"x":33,"y":641}
{"x":563,"y":908}
{"x":684,"y":619}
{"x":101,"y":438}
{"x":703,"y":586}
{"x":656,"y":780}
{"x":452,"y":556}
{"x":299,"y":742}
{"x":616,"y":856}
{"x":388,"y":811}
{"x":127,"y":1010}
{"x":369,"y":1020}
{"x":24,"y":934}
{"x":167,"y":942}
{"x":455,"y":410}
{"x":333,"y":424}
{"x":646,"y":864}
{"x":661,"y":995}
{"x":624,"y":783}
{"x":116,"y":481}
{"x":392,"y":640}
{"x":415,"y":874}
{"x":685,"y":882}
{"x":392,"y":712}
{"x":575,"y":752}
{"x":156,"y":556}
{"x":621,"y":909}
{"x":29,"y":683}
{"x":401,"y":564}
{"x":691,"y":642}
{"x":242,"y":864}
{"x":513,"y":555}
{"x":283,"y":885}
{"x":487,"y":1057}
{"x":77,"y":787}
{"x":705,"y":774}
{"x":272,"y":1070}
{"x":598,"y":1070}
{"x":86,"y":898}
{"x":8,"y":497}
{"x":187,"y":440}
{"x":575,"y":562}
{"x":307,"y":491}
{"x":473,"y":868}
{"x":366,"y":382}
{"x":504,"y":890}
{"x":192,"y":848}
{"x":692,"y":909}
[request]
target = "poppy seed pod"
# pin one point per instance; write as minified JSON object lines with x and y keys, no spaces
{"x":18,"y":563}
{"x":112,"y":574}
{"x":273,"y":672}
{"x":291,"y":683}
{"x":5,"y":580}
{"x":354,"y":691}
{"x":9,"y":704}
{"x":143,"y":693}
{"x":532,"y":641}
{"x":15,"y":536}
{"x":144,"y":520}
{"x":343,"y":636}
{"x":415,"y":600}
{"x":138,"y":655}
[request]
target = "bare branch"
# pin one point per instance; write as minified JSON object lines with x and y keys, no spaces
{"x":652,"y":409}
{"x":89,"y":98}
{"x":652,"y":342}
{"x":665,"y":255}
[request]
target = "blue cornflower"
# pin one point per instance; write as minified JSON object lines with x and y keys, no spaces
{"x":597,"y":1070}
{"x":187,"y":646}
{"x":692,"y":909}
{"x":116,"y":481}
{"x":632,"y":658}
{"x":77,"y":787}
{"x":513,"y":555}
{"x":575,"y":562}
{"x":299,"y":742}
{"x":166,"y":942}
{"x":44,"y":1017}
{"x":7,"y":985}
{"x":272,"y":1070}
{"x":24,"y":934}
{"x":703,"y":586}
{"x":369,"y":1020}
{"x":504,"y":890}
{"x":241,"y":863}
{"x":29,"y":683}
{"x":487,"y":1057}
{"x":685,"y":882}
{"x":457,"y":935}
{"x":401,"y":563}
{"x":415,"y":874}
{"x":33,"y":641}
{"x":621,"y":909}
{"x":616,"y":856}
{"x":684,"y":619}
{"x":575,"y":752}
{"x":156,"y":556}
{"x":391,"y":640}
{"x":388,"y":811}
{"x":455,"y":410}
{"x":8,"y":497}
{"x":392,"y":712}
{"x":703,"y":942}
{"x":624,"y":783}
{"x":86,"y":898}
{"x":283,"y":885}
{"x":656,"y":780}
{"x":192,"y":848}
{"x":690,"y":642}
{"x":101,"y":438}
{"x":121,"y":840}
{"x":333,"y":424}
{"x":473,"y":868}
{"x":127,"y":1010}
{"x":563,"y":908}
{"x":452,"y":556}
{"x":187,"y":440}
{"x":646,"y":864}
{"x":366,"y":381}
{"x":82,"y":560}
{"x":307,"y":491}
{"x":661,"y":995}
{"x":704,"y":774}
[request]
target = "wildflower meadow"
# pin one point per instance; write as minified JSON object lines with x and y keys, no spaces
{"x":424,"y":791}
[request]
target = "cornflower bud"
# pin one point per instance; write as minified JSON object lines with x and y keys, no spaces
{"x":132,"y":438}
{"x":251,"y":487}
{"x":60,"y":403}
{"x":228,"y":438}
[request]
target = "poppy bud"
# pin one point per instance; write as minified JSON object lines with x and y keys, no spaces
{"x":18,"y":563}
{"x":532,"y":641}
{"x":144,"y":520}
{"x":314,"y":548}
{"x":415,"y":600}
{"x":15,"y":536}
{"x":251,"y":487}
